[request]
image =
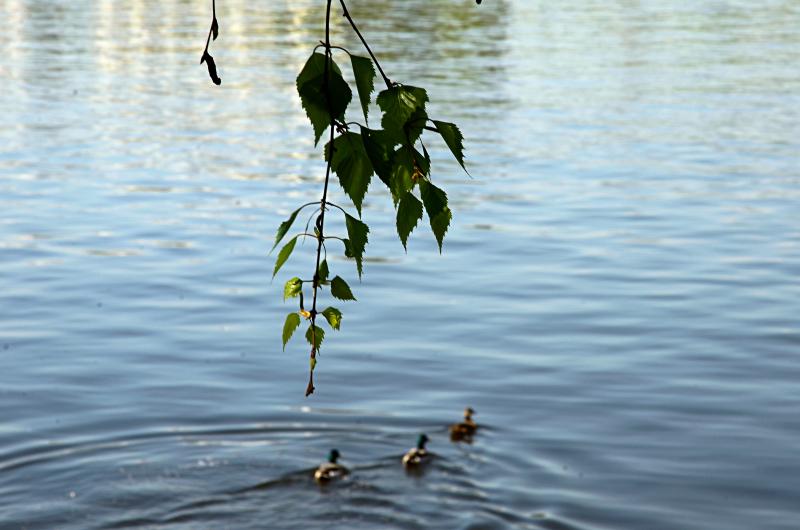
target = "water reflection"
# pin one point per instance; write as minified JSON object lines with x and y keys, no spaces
{"x":617,"y":296}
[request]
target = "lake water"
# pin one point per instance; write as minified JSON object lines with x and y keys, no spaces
{"x":618,"y":295}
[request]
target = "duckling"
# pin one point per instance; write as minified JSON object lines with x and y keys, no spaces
{"x":465,"y":429}
{"x":417,"y":455}
{"x":330,"y":470}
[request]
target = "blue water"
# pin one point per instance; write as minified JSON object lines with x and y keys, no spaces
{"x":617,"y":296}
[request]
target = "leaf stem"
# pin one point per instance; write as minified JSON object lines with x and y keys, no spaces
{"x":337,"y":206}
{"x":346,"y":15}
{"x":322,"y":45}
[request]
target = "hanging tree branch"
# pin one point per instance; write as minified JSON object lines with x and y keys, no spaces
{"x":321,"y":219}
{"x":390,"y":152}
{"x":206,"y":58}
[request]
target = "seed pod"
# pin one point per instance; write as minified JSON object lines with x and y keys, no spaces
{"x":212,"y":67}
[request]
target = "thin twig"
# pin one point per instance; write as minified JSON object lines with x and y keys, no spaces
{"x":346,"y":15}
{"x":211,"y":28}
{"x":321,"y":218}
{"x":322,"y":45}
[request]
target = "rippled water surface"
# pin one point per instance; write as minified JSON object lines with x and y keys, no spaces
{"x":617,"y":298}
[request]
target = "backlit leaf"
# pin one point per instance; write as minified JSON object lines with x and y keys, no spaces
{"x":379,"y":149}
{"x":357,"y":236}
{"x":414,"y":126}
{"x":314,"y":67}
{"x":313,"y":96}
{"x":453,"y":138}
{"x":284,"y":228}
{"x":352,"y":165}
{"x":289,"y":327}
{"x":292,"y":288}
{"x":323,"y":271}
{"x":399,"y":103}
{"x":340,"y":289}
{"x":409,"y":212}
{"x":333,"y":316}
{"x":364,"y":74}
{"x":283,"y":255}
{"x":434,"y":198}
{"x":402,"y":176}
{"x":439,"y":224}
{"x":435,"y":201}
{"x":427,"y":158}
{"x":315,"y":335}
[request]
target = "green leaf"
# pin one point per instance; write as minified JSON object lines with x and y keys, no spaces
{"x":379,"y":147}
{"x":292,"y":288}
{"x":357,"y":237}
{"x":435,"y":201}
{"x":409,"y":212}
{"x":399,"y":103}
{"x":289,"y":327}
{"x":352,"y":164}
{"x":283,"y":255}
{"x":311,"y":87}
{"x":314,"y":100}
{"x":315,"y":335}
{"x":453,"y":138}
{"x":314,"y":67}
{"x":440,"y":224}
{"x":364,"y":73}
{"x":340,"y":289}
{"x":323,"y":271}
{"x":423,"y":162}
{"x":402,"y":176}
{"x":284,"y":228}
{"x":414,"y":126}
{"x":333,"y":316}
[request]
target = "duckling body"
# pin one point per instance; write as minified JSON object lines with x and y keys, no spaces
{"x":418,"y":455}
{"x":330,"y":470}
{"x":465,"y":429}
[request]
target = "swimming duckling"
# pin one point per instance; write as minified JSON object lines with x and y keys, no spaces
{"x":465,"y":429}
{"x":330,"y":470}
{"x":417,"y":455}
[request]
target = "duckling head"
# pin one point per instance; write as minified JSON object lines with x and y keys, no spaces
{"x":468,"y":412}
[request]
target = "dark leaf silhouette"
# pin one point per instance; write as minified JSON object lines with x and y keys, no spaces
{"x":214,"y":28}
{"x":352,"y":164}
{"x":212,"y":67}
